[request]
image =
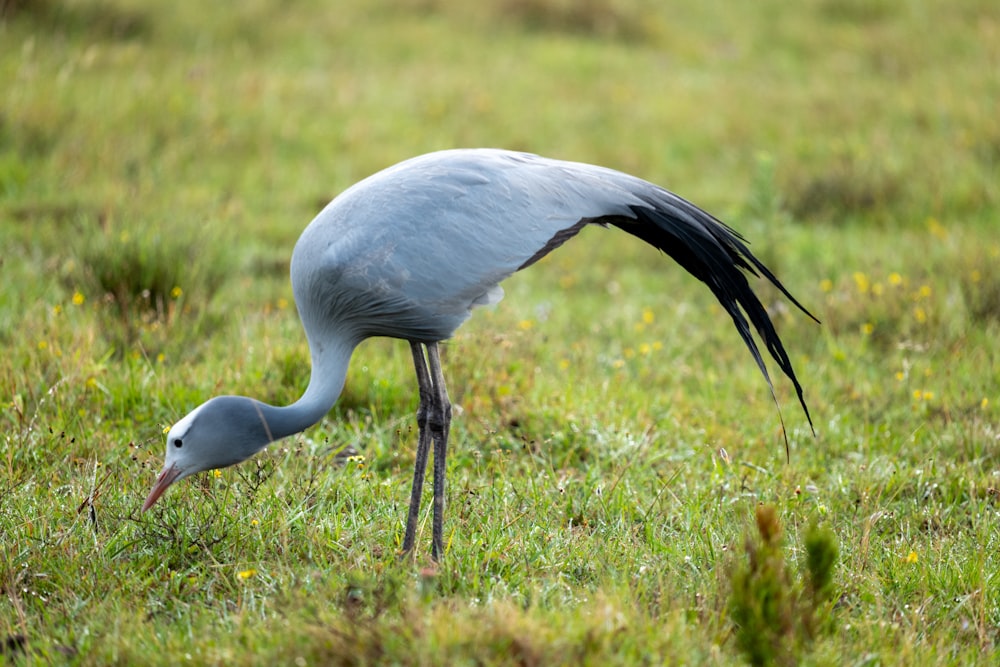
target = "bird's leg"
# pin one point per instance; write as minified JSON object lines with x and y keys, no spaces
{"x":423,"y":444}
{"x":438,"y":423}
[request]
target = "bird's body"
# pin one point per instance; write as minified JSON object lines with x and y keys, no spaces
{"x":417,"y":245}
{"x":410,"y":251}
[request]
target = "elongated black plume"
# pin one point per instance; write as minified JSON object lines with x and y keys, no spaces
{"x":718,"y":256}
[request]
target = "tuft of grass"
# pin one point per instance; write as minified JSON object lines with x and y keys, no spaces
{"x":778,"y":615}
{"x":14,"y":174}
{"x":857,"y":11}
{"x":847,"y":188}
{"x":150,"y":285}
{"x":979,"y":277}
{"x":621,"y":19}
{"x":96,"y":20}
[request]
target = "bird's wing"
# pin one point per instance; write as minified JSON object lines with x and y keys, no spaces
{"x":426,"y":240}
{"x":429,"y":238}
{"x":707,"y":248}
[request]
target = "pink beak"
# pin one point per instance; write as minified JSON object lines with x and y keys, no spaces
{"x":166,"y":478}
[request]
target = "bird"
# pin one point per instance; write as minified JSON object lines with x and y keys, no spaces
{"x":410,"y":251}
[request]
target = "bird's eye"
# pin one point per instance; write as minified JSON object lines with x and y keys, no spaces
{"x":178,"y":443}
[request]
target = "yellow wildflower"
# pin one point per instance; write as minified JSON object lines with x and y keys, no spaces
{"x":862,"y":282}
{"x":826,"y":285}
{"x":936,"y":228}
{"x":895,"y":279}
{"x":525,"y":324}
{"x":176,"y":292}
{"x":78,"y":299}
{"x":246,"y":574}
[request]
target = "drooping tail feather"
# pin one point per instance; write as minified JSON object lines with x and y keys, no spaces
{"x":718,"y":256}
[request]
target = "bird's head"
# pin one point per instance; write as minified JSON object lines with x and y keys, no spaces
{"x":220,"y":432}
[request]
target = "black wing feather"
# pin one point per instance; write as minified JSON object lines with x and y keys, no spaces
{"x":718,"y":256}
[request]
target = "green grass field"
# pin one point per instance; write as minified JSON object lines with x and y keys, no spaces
{"x":618,"y":486}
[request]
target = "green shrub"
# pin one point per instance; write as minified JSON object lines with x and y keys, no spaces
{"x":777,"y":614}
{"x":145,"y":280}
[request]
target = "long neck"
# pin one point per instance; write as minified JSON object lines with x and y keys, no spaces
{"x":329,"y":371}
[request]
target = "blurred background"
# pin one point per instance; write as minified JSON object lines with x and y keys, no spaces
{"x":153,"y":155}
{"x":158,"y":160}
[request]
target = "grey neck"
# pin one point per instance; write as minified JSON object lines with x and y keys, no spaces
{"x":329,"y":372}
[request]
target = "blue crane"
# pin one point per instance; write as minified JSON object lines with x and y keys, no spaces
{"x":410,"y":251}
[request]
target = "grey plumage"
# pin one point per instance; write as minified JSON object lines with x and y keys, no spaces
{"x":410,"y":251}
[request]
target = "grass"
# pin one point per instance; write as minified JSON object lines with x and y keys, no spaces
{"x":614,"y":441}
